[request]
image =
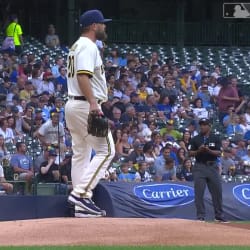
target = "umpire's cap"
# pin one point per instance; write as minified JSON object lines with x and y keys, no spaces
{"x":92,"y":16}
{"x":204,"y":121}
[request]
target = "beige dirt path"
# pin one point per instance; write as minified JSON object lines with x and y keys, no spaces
{"x":122,"y":231}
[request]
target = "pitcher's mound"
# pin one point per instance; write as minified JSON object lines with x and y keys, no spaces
{"x":122,"y":231}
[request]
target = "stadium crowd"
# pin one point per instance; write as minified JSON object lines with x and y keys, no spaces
{"x":154,"y":109}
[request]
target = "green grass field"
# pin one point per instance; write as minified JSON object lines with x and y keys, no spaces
{"x":128,"y":247}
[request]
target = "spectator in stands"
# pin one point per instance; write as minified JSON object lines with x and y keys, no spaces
{"x":47,"y":84}
{"x":59,"y":106}
{"x":125,"y":175}
{"x":5,"y":88}
{"x":12,"y":125}
{"x":199,"y":110}
{"x":27,"y":92}
{"x":65,"y":169}
{"x":149,"y":154}
{"x":52,"y":39}
{"x":160,"y":163}
{"x":59,"y":61}
{"x":188,"y":86}
{"x":154,"y":59}
{"x":49,"y":170}
{"x":136,"y":155}
{"x":168,"y":172}
{"x":22,"y":164}
{"x":129,"y":116}
{"x":156,"y":139}
{"x":227,"y":163}
{"x":27,"y":121}
{"x":243,"y":123}
{"x":234,"y":82}
{"x":246,"y":161}
{"x":170,"y":88}
{"x":45,"y":63}
{"x":142,"y":175}
{"x":234,"y":128}
{"x":52,"y":131}
{"x":165,"y":107}
{"x":61,"y":81}
{"x":186,"y":173}
{"x":228,"y":96}
{"x":185,"y":111}
{"x":116,"y":117}
{"x":217,"y":72}
{"x":37,"y":122}
{"x":204,"y":94}
{"x":41,"y":158}
{"x":169,"y":129}
{"x":115,"y":58}
{"x":241,"y":148}
{"x":184,"y":142}
{"x":6,"y":132}
{"x":36,"y":78}
{"x":181,"y":156}
{"x":4,"y":185}
{"x":3,"y":149}
{"x":123,"y":147}
{"x":14,"y":30}
{"x":13,"y":94}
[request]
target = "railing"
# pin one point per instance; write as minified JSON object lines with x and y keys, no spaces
{"x":224,"y":33}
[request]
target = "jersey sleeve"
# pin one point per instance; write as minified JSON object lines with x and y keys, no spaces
{"x":86,"y":61}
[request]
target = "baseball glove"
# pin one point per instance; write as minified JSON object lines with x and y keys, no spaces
{"x":97,"y":124}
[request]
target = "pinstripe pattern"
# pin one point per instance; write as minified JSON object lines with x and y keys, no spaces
{"x":99,"y":168}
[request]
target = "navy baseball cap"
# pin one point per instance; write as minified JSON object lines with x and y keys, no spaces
{"x":92,"y":16}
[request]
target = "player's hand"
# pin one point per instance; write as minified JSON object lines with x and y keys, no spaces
{"x":202,"y":148}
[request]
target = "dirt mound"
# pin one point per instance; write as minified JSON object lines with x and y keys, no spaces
{"x":122,"y":231}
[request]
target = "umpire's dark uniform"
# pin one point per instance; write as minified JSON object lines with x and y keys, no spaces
{"x":205,"y":147}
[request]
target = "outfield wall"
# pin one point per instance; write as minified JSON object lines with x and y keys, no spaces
{"x":153,"y":200}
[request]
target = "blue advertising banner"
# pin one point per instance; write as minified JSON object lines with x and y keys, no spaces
{"x":128,"y":200}
{"x":169,"y":200}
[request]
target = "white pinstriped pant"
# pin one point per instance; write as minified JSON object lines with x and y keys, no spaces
{"x":85,"y":173}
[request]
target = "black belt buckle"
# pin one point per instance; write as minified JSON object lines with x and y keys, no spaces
{"x":81,"y":98}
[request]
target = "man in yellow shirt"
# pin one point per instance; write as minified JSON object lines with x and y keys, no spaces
{"x":15,"y":30}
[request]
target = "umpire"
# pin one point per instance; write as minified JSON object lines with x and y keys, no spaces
{"x":205,"y":147}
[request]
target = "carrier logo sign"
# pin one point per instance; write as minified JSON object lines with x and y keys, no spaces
{"x":165,"y":195}
{"x":236,"y":10}
{"x":242,"y":193}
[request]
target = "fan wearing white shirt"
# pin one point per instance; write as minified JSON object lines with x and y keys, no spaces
{"x":198,"y":109}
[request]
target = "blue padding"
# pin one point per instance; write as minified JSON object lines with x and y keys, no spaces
{"x":140,"y":200}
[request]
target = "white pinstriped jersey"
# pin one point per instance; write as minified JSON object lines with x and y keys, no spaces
{"x":84,"y":58}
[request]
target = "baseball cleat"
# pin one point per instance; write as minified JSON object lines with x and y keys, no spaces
{"x":87,"y":204}
{"x":221,"y":220}
{"x":86,"y":214}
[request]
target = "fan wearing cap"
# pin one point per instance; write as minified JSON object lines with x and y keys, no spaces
{"x":87,"y":89}
{"x":205,"y":147}
{"x":52,"y":131}
{"x":49,"y":170}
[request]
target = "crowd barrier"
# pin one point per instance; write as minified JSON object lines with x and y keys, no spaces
{"x":138,"y":200}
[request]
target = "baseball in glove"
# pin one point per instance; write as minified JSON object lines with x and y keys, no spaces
{"x":97,"y":124}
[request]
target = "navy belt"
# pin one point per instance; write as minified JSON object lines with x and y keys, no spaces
{"x":81,"y":98}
